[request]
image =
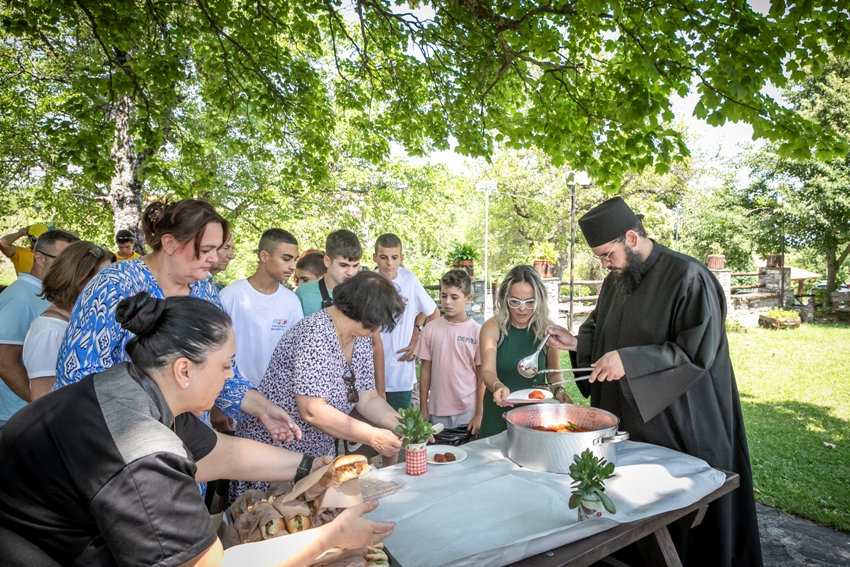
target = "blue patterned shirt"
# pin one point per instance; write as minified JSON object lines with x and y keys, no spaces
{"x":95,"y":341}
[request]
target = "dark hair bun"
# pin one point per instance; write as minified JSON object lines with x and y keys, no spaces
{"x":140,"y":313}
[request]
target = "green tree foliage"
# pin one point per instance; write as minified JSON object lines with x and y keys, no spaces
{"x":807,"y":200}
{"x":588,"y":82}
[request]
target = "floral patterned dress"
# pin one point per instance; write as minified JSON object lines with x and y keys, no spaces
{"x":308,"y":361}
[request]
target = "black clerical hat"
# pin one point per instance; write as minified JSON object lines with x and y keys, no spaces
{"x":607,"y":221}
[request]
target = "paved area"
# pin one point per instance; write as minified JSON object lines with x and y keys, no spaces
{"x":789,"y":541}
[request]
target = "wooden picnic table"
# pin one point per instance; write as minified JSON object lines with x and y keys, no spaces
{"x":651,"y":534}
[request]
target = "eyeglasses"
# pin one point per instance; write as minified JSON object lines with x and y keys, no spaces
{"x":97,"y":252}
{"x":353,"y":396}
{"x":45,"y":254}
{"x":606,"y":257}
{"x":124,"y":240}
{"x":515,"y":303}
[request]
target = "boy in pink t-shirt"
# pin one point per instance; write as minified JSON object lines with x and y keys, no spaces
{"x":451,"y":391}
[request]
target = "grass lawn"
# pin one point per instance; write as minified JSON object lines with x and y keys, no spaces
{"x":795,"y":393}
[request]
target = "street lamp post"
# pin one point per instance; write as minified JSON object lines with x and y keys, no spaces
{"x":487,"y":187}
{"x":572,"y":186}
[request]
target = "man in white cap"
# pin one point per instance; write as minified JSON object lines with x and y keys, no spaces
{"x":657,"y":342}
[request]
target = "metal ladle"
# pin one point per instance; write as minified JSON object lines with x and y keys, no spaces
{"x":527,"y":366}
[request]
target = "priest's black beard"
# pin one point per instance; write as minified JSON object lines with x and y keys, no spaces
{"x":629,"y":279}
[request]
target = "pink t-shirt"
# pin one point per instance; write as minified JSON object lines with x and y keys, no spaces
{"x":452,"y":349}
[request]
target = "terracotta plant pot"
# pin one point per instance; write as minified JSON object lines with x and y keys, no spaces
{"x":545,"y":268}
{"x":467,"y":265}
{"x":415,"y":459}
{"x":716,"y":262}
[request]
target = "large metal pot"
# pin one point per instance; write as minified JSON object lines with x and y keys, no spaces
{"x":553,"y":452}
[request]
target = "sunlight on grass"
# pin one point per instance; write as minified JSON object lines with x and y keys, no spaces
{"x":795,"y":393}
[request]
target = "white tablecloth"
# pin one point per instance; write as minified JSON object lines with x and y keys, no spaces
{"x":488,"y":511}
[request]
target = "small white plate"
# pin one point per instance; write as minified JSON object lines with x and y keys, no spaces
{"x":521,"y":396}
{"x":432,"y":450}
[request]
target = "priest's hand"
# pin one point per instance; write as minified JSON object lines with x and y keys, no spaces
{"x":561,"y":338}
{"x":609,"y":367}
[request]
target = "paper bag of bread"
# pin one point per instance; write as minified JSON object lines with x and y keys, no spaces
{"x":331,"y":486}
{"x":245,"y":503}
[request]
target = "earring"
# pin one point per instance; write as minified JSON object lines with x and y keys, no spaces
{"x":186,"y":384}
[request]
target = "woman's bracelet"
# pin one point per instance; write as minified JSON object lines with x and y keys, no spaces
{"x":494,"y":386}
{"x":556,"y":390}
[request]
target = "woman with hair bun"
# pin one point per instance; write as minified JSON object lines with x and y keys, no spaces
{"x":66,"y":277}
{"x":184,"y":236}
{"x":520,"y":321}
{"x":101,"y":472}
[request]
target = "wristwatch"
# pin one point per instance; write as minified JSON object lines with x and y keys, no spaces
{"x":304,"y":467}
{"x":420,"y":327}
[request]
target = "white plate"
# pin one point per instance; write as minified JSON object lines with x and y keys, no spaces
{"x":521,"y":396}
{"x":432,"y":450}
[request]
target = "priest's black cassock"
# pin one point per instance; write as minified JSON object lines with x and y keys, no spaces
{"x":678,"y":391}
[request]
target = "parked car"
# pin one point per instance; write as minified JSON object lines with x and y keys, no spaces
{"x":838,"y":286}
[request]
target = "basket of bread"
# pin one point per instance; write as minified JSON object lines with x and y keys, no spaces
{"x":257,"y":515}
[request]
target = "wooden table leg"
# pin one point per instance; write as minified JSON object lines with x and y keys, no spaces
{"x":658,"y":550}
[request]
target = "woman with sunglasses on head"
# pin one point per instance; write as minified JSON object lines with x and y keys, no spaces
{"x":323,"y":368}
{"x":519,"y":323}
{"x":66,"y":277}
{"x":102,"y":472}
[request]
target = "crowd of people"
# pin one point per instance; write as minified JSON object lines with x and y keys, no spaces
{"x":131,"y":380}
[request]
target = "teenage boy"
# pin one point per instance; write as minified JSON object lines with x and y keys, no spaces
{"x":310,"y":267}
{"x":400,"y":345}
{"x":261,"y":308}
{"x":342,"y":260}
{"x":21,"y":257}
{"x":450,"y":391}
{"x":225,"y":254}
{"x":125,"y":241}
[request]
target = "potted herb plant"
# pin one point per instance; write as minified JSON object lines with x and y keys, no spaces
{"x":543,"y":258}
{"x":589,"y":474}
{"x":463,"y":256}
{"x":414,"y":432}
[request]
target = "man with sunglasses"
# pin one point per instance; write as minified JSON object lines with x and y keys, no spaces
{"x":20,"y":304}
{"x":657,"y":343}
{"x":126,"y":243}
{"x":22,"y":257}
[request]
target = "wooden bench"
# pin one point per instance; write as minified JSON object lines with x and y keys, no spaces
{"x":840,"y":304}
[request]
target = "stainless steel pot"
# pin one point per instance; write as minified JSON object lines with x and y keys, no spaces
{"x":553,"y":452}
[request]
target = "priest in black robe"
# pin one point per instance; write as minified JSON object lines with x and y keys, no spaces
{"x":657,"y":342}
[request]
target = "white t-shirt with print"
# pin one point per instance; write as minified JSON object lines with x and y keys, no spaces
{"x":401,"y":376}
{"x":259,"y":321}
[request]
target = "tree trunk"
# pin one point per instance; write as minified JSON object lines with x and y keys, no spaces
{"x":832,"y":265}
{"x":125,"y":189}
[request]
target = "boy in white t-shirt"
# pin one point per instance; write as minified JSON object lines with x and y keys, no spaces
{"x":450,"y":389}
{"x":400,"y":345}
{"x":261,"y":308}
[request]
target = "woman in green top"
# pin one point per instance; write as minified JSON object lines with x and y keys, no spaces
{"x":519,"y":323}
